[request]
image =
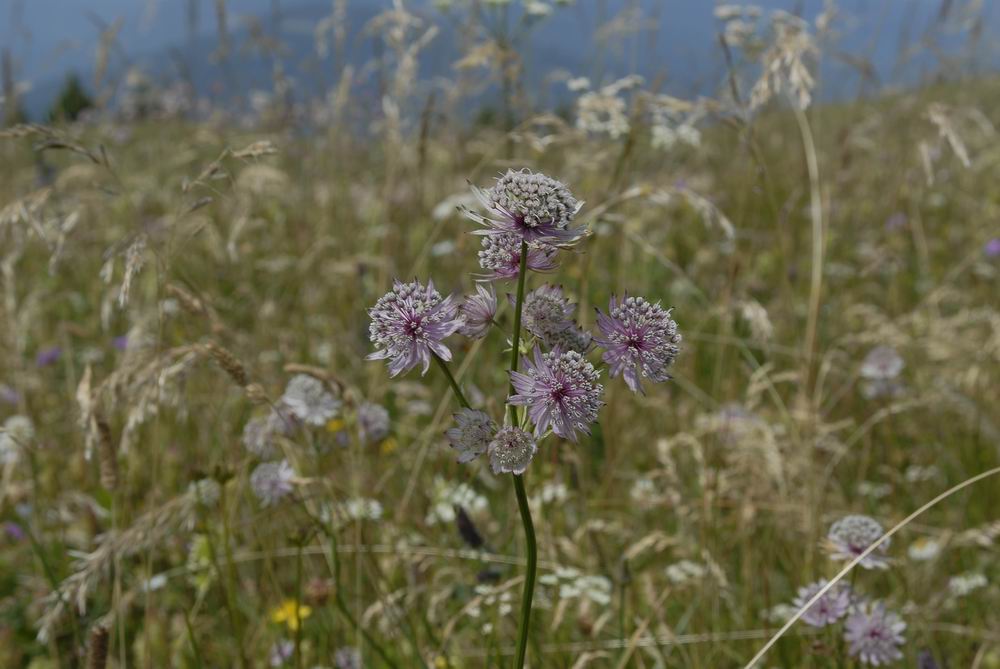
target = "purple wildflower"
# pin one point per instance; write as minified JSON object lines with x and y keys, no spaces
{"x":874,"y":635}
{"x":992,"y":248}
{"x":896,"y":221}
{"x":851,"y":536}
{"x":120,"y":343}
{"x":48,"y":356}
{"x":572,"y":338}
{"x":478,"y":311}
{"x":546,"y":311}
{"x":561,"y":391}
{"x":281,"y":652}
{"x":272,"y":481}
{"x":308,"y":399}
{"x":14,"y":531}
{"x":534,"y":207}
{"x":639,"y":338}
{"x":511,"y":450}
{"x":472,"y":434}
{"x":879,"y":371}
{"x":8,"y":395}
{"x":501,"y":257}
{"x":882,"y":363}
{"x":828,"y":609}
{"x":408,"y":325}
{"x":347,"y":657}
{"x":373,"y":422}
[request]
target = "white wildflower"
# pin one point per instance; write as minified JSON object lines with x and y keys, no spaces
{"x":685,"y":571}
{"x":446,"y":495}
{"x":308,"y":400}
{"x":924,"y":549}
{"x":963,"y":584}
{"x":272,"y":481}
{"x":16,"y":433}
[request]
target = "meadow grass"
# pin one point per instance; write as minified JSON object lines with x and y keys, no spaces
{"x":231,"y":259}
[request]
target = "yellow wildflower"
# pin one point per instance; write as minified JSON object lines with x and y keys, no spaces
{"x":388,"y":446}
{"x":291,"y":613}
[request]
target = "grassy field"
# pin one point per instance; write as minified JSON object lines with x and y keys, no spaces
{"x":163,"y":280}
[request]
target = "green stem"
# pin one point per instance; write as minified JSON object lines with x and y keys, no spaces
{"x":298,"y":607}
{"x":530,"y":569}
{"x":515,"y":352}
{"x":459,"y":395}
{"x":338,"y":598}
{"x":228,"y":578}
{"x":522,"y":497}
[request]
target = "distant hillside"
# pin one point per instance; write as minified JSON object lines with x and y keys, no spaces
{"x":678,"y":47}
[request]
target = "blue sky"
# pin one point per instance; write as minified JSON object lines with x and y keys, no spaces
{"x":49,"y":37}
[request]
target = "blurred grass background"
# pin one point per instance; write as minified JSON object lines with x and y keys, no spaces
{"x":701,"y":504}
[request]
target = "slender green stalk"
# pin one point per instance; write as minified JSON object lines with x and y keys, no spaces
{"x":522,"y":497}
{"x":227,"y":578}
{"x":530,"y":569}
{"x":298,"y":606}
{"x":338,"y":598}
{"x":515,"y":352}
{"x":459,"y":395}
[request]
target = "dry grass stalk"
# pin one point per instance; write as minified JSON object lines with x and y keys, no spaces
{"x":97,"y":647}
{"x":227,"y":361}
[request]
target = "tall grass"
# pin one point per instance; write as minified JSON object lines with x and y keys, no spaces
{"x":163,"y":278}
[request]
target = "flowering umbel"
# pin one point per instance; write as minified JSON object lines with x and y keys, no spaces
{"x":501,"y":256}
{"x":373,"y":422}
{"x":561,"y":391}
{"x":874,"y":635}
{"x":307,"y":398}
{"x":472,"y":434}
{"x":850,"y":536}
{"x":532,"y":206}
{"x":828,"y":609}
{"x":409,"y":324}
{"x":546,"y":311}
{"x":511,"y":450}
{"x":272,"y":481}
{"x":572,"y":338}
{"x":640,"y":340}
{"x":478,"y":311}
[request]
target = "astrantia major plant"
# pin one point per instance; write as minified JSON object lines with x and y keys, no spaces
{"x":556,"y":391}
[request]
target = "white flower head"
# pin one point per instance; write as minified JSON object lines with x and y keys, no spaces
{"x":472,"y":434}
{"x":511,"y":450}
{"x":16,"y":433}
{"x":850,"y":536}
{"x":446,"y":495}
{"x":962,"y":584}
{"x":271,"y":482}
{"x":924,"y":549}
{"x":308,"y":400}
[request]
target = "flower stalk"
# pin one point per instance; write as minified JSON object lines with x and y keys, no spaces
{"x":531,"y":549}
{"x":528,"y":220}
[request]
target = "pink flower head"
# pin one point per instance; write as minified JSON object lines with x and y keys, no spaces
{"x":546,"y":311}
{"x":501,"y":257}
{"x":408,"y":325}
{"x":640,"y":340}
{"x":561,"y":391}
{"x":478,"y":311}
{"x":532,"y":206}
{"x":874,"y":635}
{"x":829,"y":608}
